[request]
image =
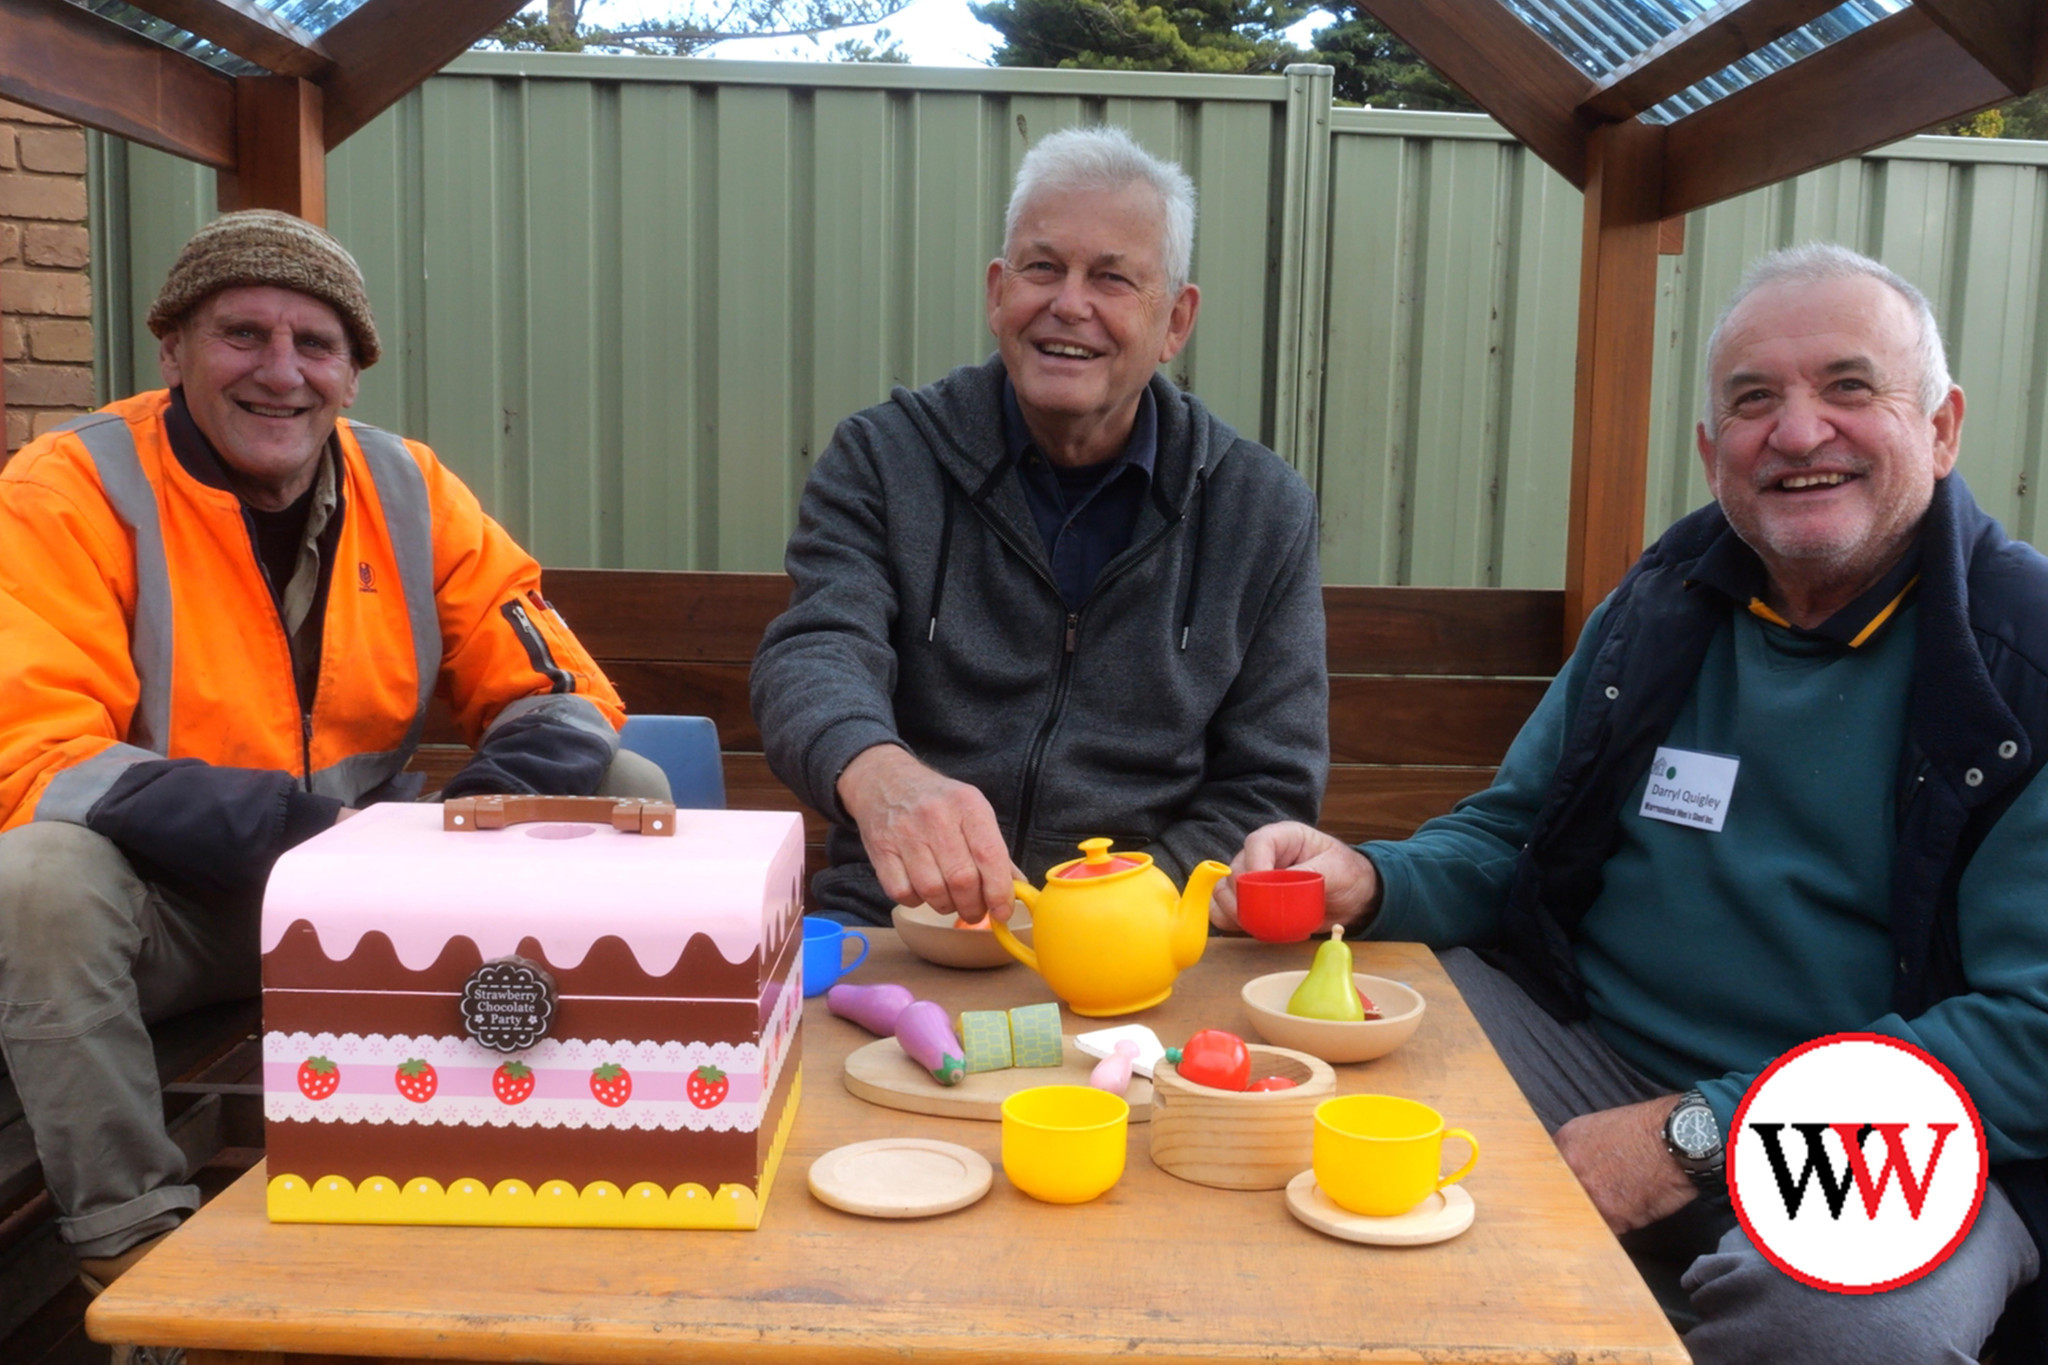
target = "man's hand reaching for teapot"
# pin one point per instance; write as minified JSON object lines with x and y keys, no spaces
{"x":932,"y":840}
{"x":1351,"y":884}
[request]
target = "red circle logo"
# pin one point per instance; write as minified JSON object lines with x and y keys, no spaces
{"x":1857,"y":1163}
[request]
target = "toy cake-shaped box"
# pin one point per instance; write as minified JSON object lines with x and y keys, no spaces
{"x":554,"y":1022}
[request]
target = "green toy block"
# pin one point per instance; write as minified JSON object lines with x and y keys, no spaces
{"x":985,"y":1037}
{"x":1035,"y":1035}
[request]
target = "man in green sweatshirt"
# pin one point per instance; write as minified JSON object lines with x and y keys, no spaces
{"x":1845,"y":662}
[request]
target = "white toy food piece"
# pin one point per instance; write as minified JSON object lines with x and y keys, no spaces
{"x":1102,"y":1043}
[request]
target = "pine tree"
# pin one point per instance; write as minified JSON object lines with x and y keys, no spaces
{"x":1377,"y":69}
{"x":1218,"y":36}
{"x":562,"y":26}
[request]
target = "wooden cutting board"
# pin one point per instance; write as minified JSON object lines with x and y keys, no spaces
{"x":881,"y":1073}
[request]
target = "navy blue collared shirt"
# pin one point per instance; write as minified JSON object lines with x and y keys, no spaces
{"x":1085,"y":516}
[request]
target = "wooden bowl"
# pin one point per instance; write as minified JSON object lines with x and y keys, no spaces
{"x":1333,"y":1040}
{"x":939,"y":938}
{"x":1240,"y":1140}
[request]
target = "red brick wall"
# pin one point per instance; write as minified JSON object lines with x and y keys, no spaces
{"x":45,"y":298}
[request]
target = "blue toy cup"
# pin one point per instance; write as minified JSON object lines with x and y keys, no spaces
{"x":825,"y":961}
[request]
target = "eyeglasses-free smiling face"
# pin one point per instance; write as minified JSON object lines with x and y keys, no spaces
{"x":265,"y":372}
{"x":1083,"y":314}
{"x":1821,"y":455}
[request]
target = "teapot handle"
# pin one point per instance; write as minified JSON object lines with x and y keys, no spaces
{"x":1023,"y":952}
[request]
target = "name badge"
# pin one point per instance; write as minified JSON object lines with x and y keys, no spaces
{"x":1690,"y":789}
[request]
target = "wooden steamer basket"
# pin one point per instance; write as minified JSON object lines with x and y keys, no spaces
{"x":1249,"y":1140}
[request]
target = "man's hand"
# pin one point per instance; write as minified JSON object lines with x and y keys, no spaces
{"x":1620,"y":1158}
{"x":1351,"y":885}
{"x":930,"y":838}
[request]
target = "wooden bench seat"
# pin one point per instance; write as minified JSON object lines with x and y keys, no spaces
{"x":1428,"y":686}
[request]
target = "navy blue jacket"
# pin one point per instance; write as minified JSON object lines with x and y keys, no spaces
{"x":1977,"y":733}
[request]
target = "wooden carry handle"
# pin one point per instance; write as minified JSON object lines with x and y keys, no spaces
{"x":621,"y":813}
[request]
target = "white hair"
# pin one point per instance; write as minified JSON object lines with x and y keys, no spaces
{"x":1818,"y":263}
{"x":1102,"y":157}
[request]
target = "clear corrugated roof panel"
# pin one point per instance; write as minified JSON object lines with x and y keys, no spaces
{"x":1601,"y":37}
{"x":314,"y":16}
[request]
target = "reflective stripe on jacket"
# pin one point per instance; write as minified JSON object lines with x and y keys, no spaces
{"x":137,"y":623}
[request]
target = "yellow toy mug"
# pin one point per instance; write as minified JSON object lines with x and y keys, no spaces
{"x":1064,"y":1144}
{"x":1380,"y":1155}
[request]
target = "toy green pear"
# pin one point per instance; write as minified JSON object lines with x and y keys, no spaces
{"x":1328,"y":992}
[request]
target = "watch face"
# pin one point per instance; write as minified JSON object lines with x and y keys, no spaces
{"x":1693,"y":1130}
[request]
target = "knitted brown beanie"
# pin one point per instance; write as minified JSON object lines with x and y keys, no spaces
{"x":263,"y":246}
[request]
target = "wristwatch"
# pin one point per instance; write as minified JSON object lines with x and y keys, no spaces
{"x":1693,"y":1138}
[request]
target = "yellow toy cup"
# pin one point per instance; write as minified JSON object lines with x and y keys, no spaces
{"x":1064,"y":1144}
{"x":1380,"y":1155}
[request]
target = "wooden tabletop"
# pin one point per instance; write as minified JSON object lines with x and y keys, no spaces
{"x":1157,"y":1270}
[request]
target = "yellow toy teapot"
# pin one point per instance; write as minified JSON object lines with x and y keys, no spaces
{"x":1111,"y":931}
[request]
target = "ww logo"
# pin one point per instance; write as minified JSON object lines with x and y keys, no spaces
{"x":1912,"y":1153}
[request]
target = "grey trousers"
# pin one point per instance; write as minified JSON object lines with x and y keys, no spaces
{"x":90,"y":956}
{"x":1749,"y":1309}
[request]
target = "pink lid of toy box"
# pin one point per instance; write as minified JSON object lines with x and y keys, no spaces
{"x":725,"y":874}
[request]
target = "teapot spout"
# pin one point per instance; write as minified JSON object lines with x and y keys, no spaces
{"x":1191,"y":919}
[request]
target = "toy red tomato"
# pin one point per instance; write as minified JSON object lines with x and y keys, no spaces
{"x":1216,"y":1059}
{"x":1271,"y":1083}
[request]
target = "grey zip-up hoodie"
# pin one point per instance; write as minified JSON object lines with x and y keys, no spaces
{"x":1182,"y":706}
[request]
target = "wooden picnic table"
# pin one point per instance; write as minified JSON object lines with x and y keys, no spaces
{"x":1158,"y":1270}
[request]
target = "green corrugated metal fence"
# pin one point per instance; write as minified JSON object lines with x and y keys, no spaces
{"x":629,"y":298}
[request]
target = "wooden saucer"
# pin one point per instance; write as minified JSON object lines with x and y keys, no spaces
{"x":901,"y":1177}
{"x":1438,"y":1218}
{"x":881,"y":1073}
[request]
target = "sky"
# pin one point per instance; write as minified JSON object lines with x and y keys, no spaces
{"x":932,"y":33}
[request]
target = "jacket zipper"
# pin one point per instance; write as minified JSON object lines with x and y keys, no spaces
{"x":1034,"y":761}
{"x":291,"y":659}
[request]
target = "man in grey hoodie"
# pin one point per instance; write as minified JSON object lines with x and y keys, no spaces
{"x":1051,"y":596}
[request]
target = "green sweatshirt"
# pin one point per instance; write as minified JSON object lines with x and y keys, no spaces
{"x":1709,"y":953}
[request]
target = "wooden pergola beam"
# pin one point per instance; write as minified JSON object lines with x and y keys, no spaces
{"x":1723,"y":35}
{"x":387,"y":47}
{"x":1483,"y":49}
{"x":1892,"y":79}
{"x":249,"y":31}
{"x":70,"y":62}
{"x":1998,"y":33}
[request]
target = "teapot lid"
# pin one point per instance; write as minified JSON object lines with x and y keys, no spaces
{"x":1100,"y":862}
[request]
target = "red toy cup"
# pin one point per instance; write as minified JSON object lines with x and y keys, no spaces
{"x":1281,"y":906}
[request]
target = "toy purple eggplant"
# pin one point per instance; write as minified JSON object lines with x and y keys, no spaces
{"x":927,"y":1035}
{"x":875,"y":1008}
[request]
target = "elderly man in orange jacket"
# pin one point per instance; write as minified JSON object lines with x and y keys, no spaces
{"x":223,"y":612}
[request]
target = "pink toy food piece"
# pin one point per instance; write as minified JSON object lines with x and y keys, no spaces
{"x":926,"y":1034}
{"x":1113,"y":1073}
{"x":875,"y":1008}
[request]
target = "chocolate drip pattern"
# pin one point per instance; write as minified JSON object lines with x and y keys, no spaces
{"x":298,"y":962}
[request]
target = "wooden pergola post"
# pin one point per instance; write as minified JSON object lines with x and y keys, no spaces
{"x":1617,"y":344}
{"x":280,"y":148}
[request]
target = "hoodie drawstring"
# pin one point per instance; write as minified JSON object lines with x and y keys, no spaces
{"x":1201,"y":513}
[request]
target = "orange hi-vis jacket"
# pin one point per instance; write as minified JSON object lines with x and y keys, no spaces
{"x":137,"y":626}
